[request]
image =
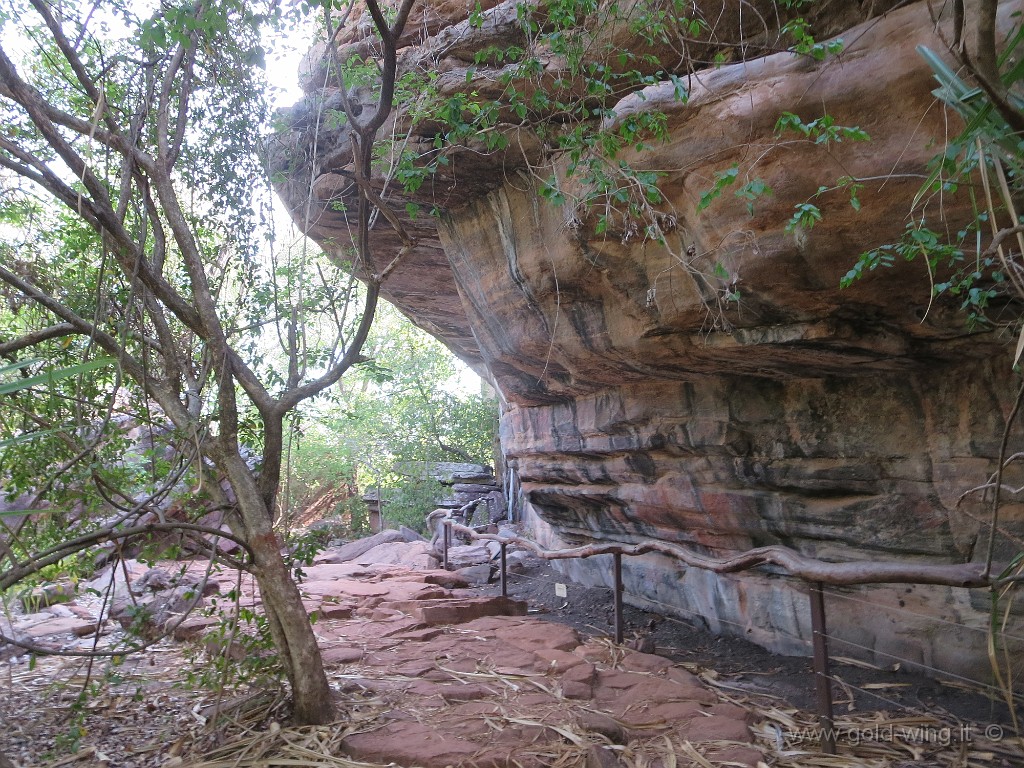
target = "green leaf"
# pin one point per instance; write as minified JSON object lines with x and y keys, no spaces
{"x":17,"y":366}
{"x":806,"y":216}
{"x":22,"y":512}
{"x":50,"y":377}
{"x":679,"y":90}
{"x":722,"y":180}
{"x":27,"y":437}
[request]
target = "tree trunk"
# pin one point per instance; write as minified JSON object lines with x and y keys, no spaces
{"x":292,"y":633}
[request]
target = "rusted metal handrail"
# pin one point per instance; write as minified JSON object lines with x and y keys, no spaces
{"x":816,"y":573}
{"x":967,"y":575}
{"x":822,"y":676}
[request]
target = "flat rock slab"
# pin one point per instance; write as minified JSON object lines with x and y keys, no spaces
{"x":411,"y":743}
{"x":346,"y":587}
{"x":457,"y":681}
{"x":331,"y":571}
{"x":194,"y":626}
{"x":342,"y":655}
{"x":441,"y":677}
{"x":343,"y":589}
{"x":55,"y":625}
{"x":354,"y":549}
{"x":459,"y":610}
{"x":415,"y":554}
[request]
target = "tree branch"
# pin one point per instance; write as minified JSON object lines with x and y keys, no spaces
{"x":984,"y":65}
{"x":132,"y":366}
{"x":98,"y":210}
{"x":39,"y":561}
{"x":8,"y":348}
{"x":71,"y":56}
{"x":806,"y":568}
{"x":390,"y":36}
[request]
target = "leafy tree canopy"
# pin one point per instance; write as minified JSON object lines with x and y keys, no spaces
{"x":133,"y":206}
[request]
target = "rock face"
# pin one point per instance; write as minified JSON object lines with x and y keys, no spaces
{"x":645,"y":400}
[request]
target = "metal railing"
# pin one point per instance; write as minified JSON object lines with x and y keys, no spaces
{"x":959,"y":576}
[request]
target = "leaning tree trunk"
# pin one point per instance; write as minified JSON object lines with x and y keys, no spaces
{"x":290,"y":627}
{"x":292,"y":632}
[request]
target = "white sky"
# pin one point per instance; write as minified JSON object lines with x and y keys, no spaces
{"x":283,"y":59}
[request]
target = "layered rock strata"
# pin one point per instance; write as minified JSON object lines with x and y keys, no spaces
{"x":717,"y":388}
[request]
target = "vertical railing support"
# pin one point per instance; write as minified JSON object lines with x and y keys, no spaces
{"x":618,"y":596}
{"x":822,"y":676}
{"x":504,"y":571}
{"x":445,"y":539}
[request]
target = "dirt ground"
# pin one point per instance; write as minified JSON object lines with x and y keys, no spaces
{"x":748,"y":667}
{"x":148,"y":714}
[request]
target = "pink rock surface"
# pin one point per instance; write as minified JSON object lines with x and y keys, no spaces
{"x":496,"y":690}
{"x":642,"y":401}
{"x":55,"y":626}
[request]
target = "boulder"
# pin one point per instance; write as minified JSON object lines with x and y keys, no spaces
{"x":9,"y":650}
{"x":116,"y":577}
{"x":516,"y":562}
{"x":50,"y":625}
{"x":354,"y":549}
{"x":153,"y":613}
{"x":162,"y":579}
{"x":409,"y":534}
{"x":465,"y":555}
{"x":416,"y":554}
{"x":459,"y":611}
{"x":473,"y":489}
{"x":493,"y":548}
{"x":46,"y":595}
{"x":475,"y":575}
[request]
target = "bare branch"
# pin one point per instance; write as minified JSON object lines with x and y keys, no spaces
{"x":984,"y":65}
{"x":1000,"y":236}
{"x":114,"y":141}
{"x":98,"y":210}
{"x":352,"y":355}
{"x":367,"y":128}
{"x":182,"y":57}
{"x":71,"y":56}
{"x":30,"y":167}
{"x":132,"y":366}
{"x":39,"y":561}
{"x":33,"y":104}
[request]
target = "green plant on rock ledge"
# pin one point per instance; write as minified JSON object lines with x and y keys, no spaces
{"x":568,"y":106}
{"x":981,"y":265}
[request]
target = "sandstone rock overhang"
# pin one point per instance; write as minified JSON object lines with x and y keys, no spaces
{"x":642,"y":400}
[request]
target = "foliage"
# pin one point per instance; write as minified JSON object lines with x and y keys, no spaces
{"x":560,"y":76}
{"x":397,"y":412}
{"x":975,"y":267}
{"x":133,"y":219}
{"x":237,"y":653}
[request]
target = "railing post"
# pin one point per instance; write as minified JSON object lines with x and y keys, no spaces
{"x":822,"y":678}
{"x":618,"y":596}
{"x":445,"y":538}
{"x":504,"y":571}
